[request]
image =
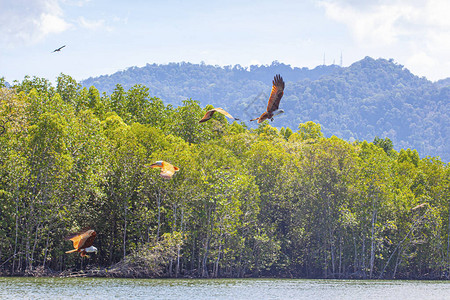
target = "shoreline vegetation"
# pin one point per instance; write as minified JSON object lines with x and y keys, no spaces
{"x":263,"y":202}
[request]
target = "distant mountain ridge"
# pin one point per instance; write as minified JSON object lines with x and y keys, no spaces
{"x":371,"y":97}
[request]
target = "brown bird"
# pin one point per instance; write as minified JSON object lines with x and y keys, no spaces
{"x":82,"y":242}
{"x":274,"y":100}
{"x":167,"y":169}
{"x":211,"y":112}
{"x":59,"y":49}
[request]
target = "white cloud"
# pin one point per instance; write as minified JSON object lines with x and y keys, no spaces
{"x":370,"y":24}
{"x":416,"y":32}
{"x":52,"y":24}
{"x":420,"y":60}
{"x":93,"y":24}
{"x":25,"y":21}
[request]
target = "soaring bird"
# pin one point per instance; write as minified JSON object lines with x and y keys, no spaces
{"x":82,"y":242}
{"x":274,"y":100}
{"x":211,"y":112}
{"x":59,"y":49}
{"x":167,"y":169}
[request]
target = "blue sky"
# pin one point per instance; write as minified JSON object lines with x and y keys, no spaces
{"x":103,"y":37}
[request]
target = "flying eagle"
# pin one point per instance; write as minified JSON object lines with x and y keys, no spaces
{"x":82,"y":242}
{"x":274,"y":100}
{"x":59,"y":49}
{"x":211,"y":112}
{"x":167,"y":169}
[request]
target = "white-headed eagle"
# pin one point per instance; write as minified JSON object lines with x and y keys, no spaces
{"x":211,"y":112}
{"x":83,"y":241}
{"x":167,"y":169}
{"x":274,"y":100}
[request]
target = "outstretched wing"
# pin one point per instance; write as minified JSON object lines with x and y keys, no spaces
{"x":210,"y":113}
{"x":207,"y":116}
{"x":276,"y":94}
{"x":154,"y":165}
{"x":224,"y":112}
{"x":263,"y":117}
{"x":90,"y":240}
{"x":59,"y":49}
{"x":82,"y":239}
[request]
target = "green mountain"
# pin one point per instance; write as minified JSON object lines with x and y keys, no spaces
{"x":367,"y":99}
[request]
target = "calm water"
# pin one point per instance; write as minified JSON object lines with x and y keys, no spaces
{"x":109,"y":288}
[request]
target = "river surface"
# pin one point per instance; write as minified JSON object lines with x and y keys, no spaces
{"x":114,"y":288}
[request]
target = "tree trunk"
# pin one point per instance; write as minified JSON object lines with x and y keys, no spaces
{"x":158,"y":201}
{"x":411,"y":230}
{"x":372,"y":244}
{"x":27,"y":249}
{"x":363,"y":257}
{"x":205,"y":258}
{"x":355,"y":259}
{"x":35,"y":243}
{"x":46,"y":249}
{"x":397,"y":263}
{"x":17,"y":234}
{"x":211,"y":212}
{"x":125,"y":230}
{"x":340,"y":256}
{"x":177,"y":270}
{"x":216,"y":268}
{"x":111,"y":240}
{"x":174,"y":213}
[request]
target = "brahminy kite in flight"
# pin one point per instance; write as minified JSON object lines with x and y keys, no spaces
{"x":167,"y":169}
{"x":82,"y":242}
{"x":274,"y":100}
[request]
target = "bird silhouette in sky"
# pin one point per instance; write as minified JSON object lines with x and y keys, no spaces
{"x":59,"y":49}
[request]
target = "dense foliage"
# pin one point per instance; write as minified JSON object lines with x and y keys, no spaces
{"x":261,"y":202}
{"x":367,"y":99}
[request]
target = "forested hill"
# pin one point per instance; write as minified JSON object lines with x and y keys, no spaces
{"x":367,"y":99}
